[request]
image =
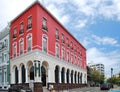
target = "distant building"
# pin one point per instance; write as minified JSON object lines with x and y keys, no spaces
{"x":4,"y":59}
{"x":99,"y":67}
{"x":43,"y":51}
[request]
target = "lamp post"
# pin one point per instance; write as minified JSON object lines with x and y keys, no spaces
{"x":111,"y":72}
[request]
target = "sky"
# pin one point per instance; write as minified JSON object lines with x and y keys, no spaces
{"x":94,"y":23}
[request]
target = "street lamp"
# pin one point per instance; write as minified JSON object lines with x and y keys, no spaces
{"x":111,"y":72}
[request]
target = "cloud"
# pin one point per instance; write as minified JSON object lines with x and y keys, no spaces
{"x":105,"y":40}
{"x":110,"y":60}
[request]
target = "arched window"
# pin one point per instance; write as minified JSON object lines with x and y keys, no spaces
{"x":78,"y":78}
{"x":44,"y":43}
{"x":67,"y":75}
{"x":57,"y":74}
{"x":29,"y":42}
{"x":14,"y":49}
{"x":72,"y":76}
{"x":63,"y":75}
{"x":21,"y":45}
{"x":32,"y":73}
{"x":81,"y":78}
{"x":23,"y":73}
{"x":75,"y":76}
{"x":43,"y":72}
{"x":16,"y":75}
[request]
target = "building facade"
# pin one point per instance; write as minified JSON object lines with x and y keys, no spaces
{"x":99,"y":67}
{"x":4,"y":59}
{"x":43,"y":51}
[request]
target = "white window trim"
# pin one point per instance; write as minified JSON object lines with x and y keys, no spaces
{"x":15,"y":43}
{"x":27,"y":42}
{"x":20,"y":44}
{"x":44,"y":36}
{"x":58,"y":51}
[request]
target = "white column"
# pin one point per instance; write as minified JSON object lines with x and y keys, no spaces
{"x":65,"y":77}
{"x":19,"y":76}
{"x":13,"y":77}
{"x":69,"y":77}
{"x":26,"y":72}
{"x":49,"y":75}
{"x":59,"y":76}
{"x":76,"y":77}
{"x":73,"y":78}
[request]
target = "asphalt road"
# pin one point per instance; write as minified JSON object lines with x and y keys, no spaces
{"x":87,"y":89}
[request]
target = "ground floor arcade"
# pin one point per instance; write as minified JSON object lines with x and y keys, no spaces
{"x":46,"y":70}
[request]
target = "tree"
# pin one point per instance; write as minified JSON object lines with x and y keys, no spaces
{"x":96,"y":76}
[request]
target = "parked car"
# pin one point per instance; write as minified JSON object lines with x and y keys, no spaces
{"x":105,"y":86}
{"x":19,"y":88}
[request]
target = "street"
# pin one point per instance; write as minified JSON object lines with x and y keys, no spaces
{"x":86,"y":89}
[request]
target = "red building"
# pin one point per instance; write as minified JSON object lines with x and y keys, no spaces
{"x":44,"y":51}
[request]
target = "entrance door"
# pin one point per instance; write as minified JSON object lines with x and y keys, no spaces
{"x":43,"y":72}
{"x":32,"y":73}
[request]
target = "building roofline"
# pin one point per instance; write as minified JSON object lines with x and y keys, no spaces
{"x":38,"y":2}
{"x":4,"y":32}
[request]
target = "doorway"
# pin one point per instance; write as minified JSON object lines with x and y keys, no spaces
{"x":43,"y":72}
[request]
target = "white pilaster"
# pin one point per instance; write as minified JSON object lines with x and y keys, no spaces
{"x":59,"y":76}
{"x":19,"y":76}
{"x":26,"y":71}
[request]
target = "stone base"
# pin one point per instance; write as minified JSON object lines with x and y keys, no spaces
{"x":38,"y":87}
{"x":64,"y":86}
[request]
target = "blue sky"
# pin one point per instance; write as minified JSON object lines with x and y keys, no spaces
{"x":94,"y":23}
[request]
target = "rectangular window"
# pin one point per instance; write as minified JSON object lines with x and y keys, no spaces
{"x":14,"y":50}
{"x":67,"y":56}
{"x":29,"y":26}
{"x":21,"y":28}
{"x":15,"y":33}
{"x":71,"y":45}
{"x":21,"y":47}
{"x":67,"y":42}
{"x":44,"y":44}
{"x":29,"y":43}
{"x":57,"y":50}
{"x":1,"y":76}
{"x":44,"y":24}
{"x":63,"y":51}
{"x":57,"y":34}
{"x":2,"y":57}
{"x":63,"y":38}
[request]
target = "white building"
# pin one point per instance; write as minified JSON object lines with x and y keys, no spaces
{"x":99,"y":67}
{"x":4,"y":59}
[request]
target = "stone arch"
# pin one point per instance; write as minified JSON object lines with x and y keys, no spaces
{"x":30,"y":72}
{"x":67,"y":75}
{"x":44,"y":72}
{"x":57,"y":69}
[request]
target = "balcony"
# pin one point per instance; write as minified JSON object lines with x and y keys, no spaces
{"x":14,"y":35}
{"x":29,"y":26}
{"x":21,"y":31}
{"x":45,"y":27}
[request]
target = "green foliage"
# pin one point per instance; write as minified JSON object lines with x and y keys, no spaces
{"x":113,"y":80}
{"x":96,"y":76}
